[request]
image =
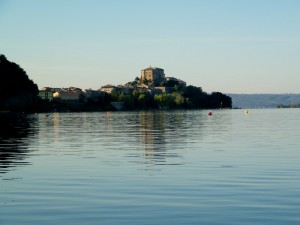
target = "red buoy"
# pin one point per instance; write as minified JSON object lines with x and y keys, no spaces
{"x":210,"y":113}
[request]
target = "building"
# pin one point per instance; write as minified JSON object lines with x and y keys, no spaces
{"x":153,"y":74}
{"x":53,"y":89}
{"x":46,"y":95}
{"x":124,"y":89}
{"x":108,"y":88}
{"x":180,"y":82}
{"x":68,"y":96}
{"x":93,"y":94}
{"x":165,"y":90}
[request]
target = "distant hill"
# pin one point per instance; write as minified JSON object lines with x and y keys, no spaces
{"x":263,"y":100}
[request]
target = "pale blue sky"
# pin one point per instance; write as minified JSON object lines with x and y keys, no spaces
{"x":232,"y":46}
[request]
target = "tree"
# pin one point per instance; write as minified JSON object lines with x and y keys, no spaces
{"x":179,"y":99}
{"x":171,"y":83}
{"x":196,"y":97}
{"x":17,"y":91}
{"x":142,"y":99}
{"x":165,"y":100}
{"x":219,"y":100}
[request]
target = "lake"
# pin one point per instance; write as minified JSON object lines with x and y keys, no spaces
{"x":151,"y":167}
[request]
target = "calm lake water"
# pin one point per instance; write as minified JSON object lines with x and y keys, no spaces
{"x":152,"y":167}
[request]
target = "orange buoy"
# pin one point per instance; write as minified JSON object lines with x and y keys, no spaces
{"x":209,"y":113}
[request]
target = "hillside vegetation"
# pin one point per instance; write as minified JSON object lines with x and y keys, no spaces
{"x":17,"y":91}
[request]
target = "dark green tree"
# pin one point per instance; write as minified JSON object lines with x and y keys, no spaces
{"x":219,"y":100}
{"x":142,"y":99}
{"x":17,"y":91}
{"x":196,"y":98}
{"x":165,"y":100}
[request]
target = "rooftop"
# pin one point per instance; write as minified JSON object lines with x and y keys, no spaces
{"x":153,"y":68}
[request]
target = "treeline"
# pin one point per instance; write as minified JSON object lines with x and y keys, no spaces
{"x":288,"y":106}
{"x":189,"y":97}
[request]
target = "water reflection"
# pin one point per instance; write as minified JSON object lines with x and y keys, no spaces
{"x":56,"y":125}
{"x":153,"y":127}
{"x":15,"y":133}
{"x":155,"y":135}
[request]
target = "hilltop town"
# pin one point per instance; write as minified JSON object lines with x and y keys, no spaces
{"x":152,"y":81}
{"x":151,"y":90}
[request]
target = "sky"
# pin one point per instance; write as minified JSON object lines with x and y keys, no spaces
{"x":230,"y":46}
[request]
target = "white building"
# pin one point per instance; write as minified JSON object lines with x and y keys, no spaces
{"x":68,"y":96}
{"x":108,"y":88}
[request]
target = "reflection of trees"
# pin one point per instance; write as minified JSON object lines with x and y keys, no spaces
{"x":15,"y":134}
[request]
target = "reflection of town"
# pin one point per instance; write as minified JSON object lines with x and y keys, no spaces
{"x":152,"y":129}
{"x":56,"y":117}
{"x":153,"y":136}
